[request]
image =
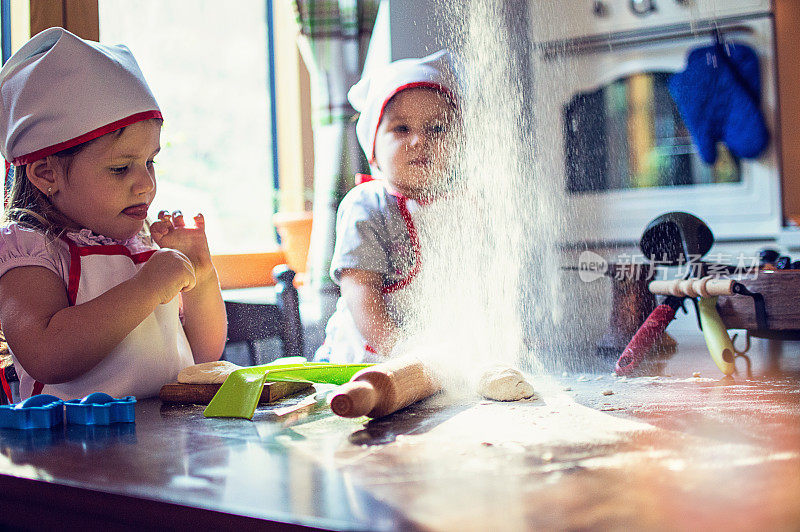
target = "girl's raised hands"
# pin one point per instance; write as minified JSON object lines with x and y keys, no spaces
{"x":169,"y":270}
{"x":171,"y":231}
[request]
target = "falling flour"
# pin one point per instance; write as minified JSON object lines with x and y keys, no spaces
{"x":504,"y":383}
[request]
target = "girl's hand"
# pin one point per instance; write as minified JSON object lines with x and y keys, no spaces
{"x":170,"y":271}
{"x":170,"y":231}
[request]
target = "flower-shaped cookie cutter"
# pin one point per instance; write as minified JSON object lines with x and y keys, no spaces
{"x":37,"y":412}
{"x":100,"y":409}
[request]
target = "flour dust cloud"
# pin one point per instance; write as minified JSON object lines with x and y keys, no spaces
{"x":491,"y":288}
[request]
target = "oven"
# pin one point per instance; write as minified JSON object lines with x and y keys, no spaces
{"x":609,"y":130}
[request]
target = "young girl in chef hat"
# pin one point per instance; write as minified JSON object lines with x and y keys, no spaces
{"x":87,"y":302}
{"x":407,"y":110}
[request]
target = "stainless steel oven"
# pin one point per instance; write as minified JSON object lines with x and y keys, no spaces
{"x":609,"y":130}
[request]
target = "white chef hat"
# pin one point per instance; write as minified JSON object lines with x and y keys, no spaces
{"x":59,"y":91}
{"x":371,"y":94}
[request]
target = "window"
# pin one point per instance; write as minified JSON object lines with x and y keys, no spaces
{"x":14,"y":26}
{"x":5,"y":29}
{"x":14,"y":32}
{"x":207,"y":64}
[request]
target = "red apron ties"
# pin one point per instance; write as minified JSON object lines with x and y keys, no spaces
{"x":412,"y":233}
{"x":6,"y":387}
{"x":37,"y":388}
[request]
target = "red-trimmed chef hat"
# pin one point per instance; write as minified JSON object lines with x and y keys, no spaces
{"x":371,"y":94}
{"x":59,"y":91}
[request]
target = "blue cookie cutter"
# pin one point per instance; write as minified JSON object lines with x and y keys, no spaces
{"x":37,"y":412}
{"x":100,"y":409}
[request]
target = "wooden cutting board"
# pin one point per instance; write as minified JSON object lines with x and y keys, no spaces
{"x":201,"y":394}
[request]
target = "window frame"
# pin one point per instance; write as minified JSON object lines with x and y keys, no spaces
{"x":289,"y":124}
{"x":5,"y":20}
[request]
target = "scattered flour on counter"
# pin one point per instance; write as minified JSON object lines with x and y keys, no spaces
{"x":504,"y":383}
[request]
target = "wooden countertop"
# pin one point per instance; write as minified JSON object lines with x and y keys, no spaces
{"x":672,"y":452}
{"x":171,"y":468}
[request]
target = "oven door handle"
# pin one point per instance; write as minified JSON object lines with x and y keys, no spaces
{"x":618,"y":41}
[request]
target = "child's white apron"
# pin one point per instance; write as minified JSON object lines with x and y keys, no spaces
{"x":149,"y":357}
{"x":344,"y":343}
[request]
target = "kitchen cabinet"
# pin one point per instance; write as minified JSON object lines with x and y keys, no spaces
{"x":787,"y":23}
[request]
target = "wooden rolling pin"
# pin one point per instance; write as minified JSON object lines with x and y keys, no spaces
{"x":704,"y":287}
{"x":384,"y":388}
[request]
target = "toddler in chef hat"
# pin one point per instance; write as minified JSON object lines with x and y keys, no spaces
{"x":87,"y":301}
{"x":407,"y":111}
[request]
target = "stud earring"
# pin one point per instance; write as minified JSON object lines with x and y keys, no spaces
{"x":49,"y":191}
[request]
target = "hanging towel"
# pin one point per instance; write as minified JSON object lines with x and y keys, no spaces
{"x":719,"y":98}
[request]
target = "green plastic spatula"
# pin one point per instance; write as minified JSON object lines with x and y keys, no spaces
{"x":238,"y":396}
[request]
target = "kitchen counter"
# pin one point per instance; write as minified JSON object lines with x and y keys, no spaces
{"x":172,"y":468}
{"x":671,"y":452}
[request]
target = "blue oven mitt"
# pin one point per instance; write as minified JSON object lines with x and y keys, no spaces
{"x":719,"y":98}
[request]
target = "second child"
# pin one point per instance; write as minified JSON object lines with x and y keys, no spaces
{"x":407,"y":113}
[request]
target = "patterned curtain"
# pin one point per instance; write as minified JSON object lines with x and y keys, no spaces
{"x":334,"y":39}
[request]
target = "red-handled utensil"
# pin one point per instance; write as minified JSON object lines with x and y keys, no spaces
{"x":672,"y":239}
{"x":647,"y":335}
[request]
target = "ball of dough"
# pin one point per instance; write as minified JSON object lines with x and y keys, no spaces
{"x":504,"y":383}
{"x":207,"y":372}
